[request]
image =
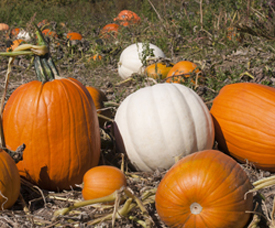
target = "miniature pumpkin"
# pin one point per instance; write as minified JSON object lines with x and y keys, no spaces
{"x":15,"y":44}
{"x":42,"y":23}
{"x":49,"y":33}
{"x":158,"y":70}
{"x":57,"y":122}
{"x":74,"y":36}
{"x":98,"y":98}
{"x":156,"y":124}
{"x":102,"y":181}
{"x":205,"y":189}
{"x":109,"y":29}
{"x":4,"y":27}
{"x":127,"y":17}
{"x":233,"y":34}
{"x":130,"y":60}
{"x":13,"y":33}
{"x":183,"y":68}
{"x":9,"y":181}
{"x":244,"y":117}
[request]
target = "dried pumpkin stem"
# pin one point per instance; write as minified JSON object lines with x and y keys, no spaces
{"x":109,"y":198}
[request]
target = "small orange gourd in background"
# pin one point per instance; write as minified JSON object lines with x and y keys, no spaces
{"x":102,"y":181}
{"x":158,"y":70}
{"x":109,"y":30}
{"x":244,"y":120}
{"x":49,"y":33}
{"x":98,"y":98}
{"x":9,"y":181}
{"x":13,"y":33}
{"x":4,"y":27}
{"x":127,"y":17}
{"x":42,"y":23}
{"x":205,"y":189}
{"x":74,"y":36}
{"x":14,"y":45}
{"x":183,"y":68}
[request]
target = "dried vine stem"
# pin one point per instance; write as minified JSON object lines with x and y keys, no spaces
{"x":2,"y":140}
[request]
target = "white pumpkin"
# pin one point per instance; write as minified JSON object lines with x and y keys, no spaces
{"x":24,"y":35}
{"x":130,"y":59}
{"x":156,"y":124}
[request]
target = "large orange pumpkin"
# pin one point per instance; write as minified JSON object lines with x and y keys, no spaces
{"x":205,"y":189}
{"x":98,"y":98}
{"x":57,"y":122}
{"x":9,"y":181}
{"x":184,"y":69}
{"x":127,"y":17}
{"x":102,"y":181}
{"x":109,"y":30}
{"x":244,"y":119}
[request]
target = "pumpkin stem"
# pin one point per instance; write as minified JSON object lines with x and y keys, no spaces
{"x":195,"y":208}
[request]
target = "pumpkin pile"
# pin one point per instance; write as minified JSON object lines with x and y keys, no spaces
{"x":165,"y":129}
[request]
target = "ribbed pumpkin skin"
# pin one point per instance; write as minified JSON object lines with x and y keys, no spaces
{"x":102,"y":181}
{"x":244,"y":117}
{"x":9,"y":181}
{"x":157,"y":123}
{"x":58,"y":123}
{"x":211,"y":179}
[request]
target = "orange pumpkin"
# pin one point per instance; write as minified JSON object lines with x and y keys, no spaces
{"x":244,"y":119}
{"x":233,"y":34}
{"x":9,"y":181}
{"x":57,"y":122}
{"x":102,"y":181}
{"x":109,"y":30}
{"x":14,"y":45}
{"x":158,"y":70}
{"x":42,"y":23}
{"x":98,"y":98}
{"x":184,"y":69}
{"x":13,"y":33}
{"x":205,"y":189}
{"x":74,"y":36}
{"x":4,"y":27}
{"x":127,"y":17}
{"x":49,"y":33}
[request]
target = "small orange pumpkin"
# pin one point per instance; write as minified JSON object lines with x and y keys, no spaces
{"x":102,"y":181}
{"x":98,"y":98}
{"x":158,"y":70}
{"x":49,"y":33}
{"x":4,"y":27}
{"x":9,"y":181}
{"x":109,"y":30}
{"x":233,"y":34}
{"x":74,"y":36}
{"x":13,"y":33}
{"x":127,"y":17}
{"x":42,"y":23}
{"x":184,"y":69}
{"x":205,"y":189}
{"x":14,"y":45}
